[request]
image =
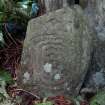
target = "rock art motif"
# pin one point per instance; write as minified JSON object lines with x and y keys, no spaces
{"x":56,"y":53}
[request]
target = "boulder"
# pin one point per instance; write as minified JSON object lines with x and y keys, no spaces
{"x":95,"y":12}
{"x":56,"y":53}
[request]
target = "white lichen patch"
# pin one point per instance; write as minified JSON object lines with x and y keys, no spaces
{"x":55,"y":88}
{"x":26,"y":77}
{"x":24,"y":62}
{"x":57,"y":77}
{"x":68,"y":89}
{"x":68,"y":27}
{"x":66,"y":84}
{"x":47,"y":67}
{"x":1,"y":37}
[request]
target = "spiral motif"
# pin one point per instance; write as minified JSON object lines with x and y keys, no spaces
{"x":56,"y":53}
{"x":50,"y":51}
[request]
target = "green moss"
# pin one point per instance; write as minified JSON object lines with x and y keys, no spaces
{"x":6,"y":76}
{"x":99,"y":99}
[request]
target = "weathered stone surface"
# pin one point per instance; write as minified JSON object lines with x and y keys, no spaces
{"x":96,"y":75}
{"x":83,"y":3}
{"x":52,"y":5}
{"x":96,"y":15}
{"x":56,"y":53}
{"x":95,"y":12}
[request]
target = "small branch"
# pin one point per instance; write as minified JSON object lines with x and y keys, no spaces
{"x":21,"y":90}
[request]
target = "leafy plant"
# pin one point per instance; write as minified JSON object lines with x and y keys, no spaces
{"x":13,"y":9}
{"x":6,"y":76}
{"x":99,"y":99}
{"x":2,"y":97}
{"x":77,"y":100}
{"x":45,"y":103}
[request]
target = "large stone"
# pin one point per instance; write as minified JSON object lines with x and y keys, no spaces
{"x":95,"y":12}
{"x":52,"y":5}
{"x":95,"y":78}
{"x":56,"y":53}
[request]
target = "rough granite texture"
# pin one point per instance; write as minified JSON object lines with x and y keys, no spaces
{"x":95,"y":12}
{"x":56,"y":53}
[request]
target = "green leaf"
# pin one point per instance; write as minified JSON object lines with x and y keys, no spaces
{"x":45,"y":103}
{"x":6,"y":76}
{"x":99,"y":99}
{"x":2,"y":97}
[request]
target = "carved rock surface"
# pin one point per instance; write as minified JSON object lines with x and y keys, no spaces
{"x":56,"y":53}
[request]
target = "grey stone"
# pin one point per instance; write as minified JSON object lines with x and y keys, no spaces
{"x":52,"y":5}
{"x":95,"y":12}
{"x":56,"y":53}
{"x":83,"y":3}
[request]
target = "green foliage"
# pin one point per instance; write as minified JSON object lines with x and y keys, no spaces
{"x":2,"y":97}
{"x":45,"y":103}
{"x":1,"y":16}
{"x":6,"y":76}
{"x":99,"y":99}
{"x":14,"y":9}
{"x":1,"y":5}
{"x":77,"y":100}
